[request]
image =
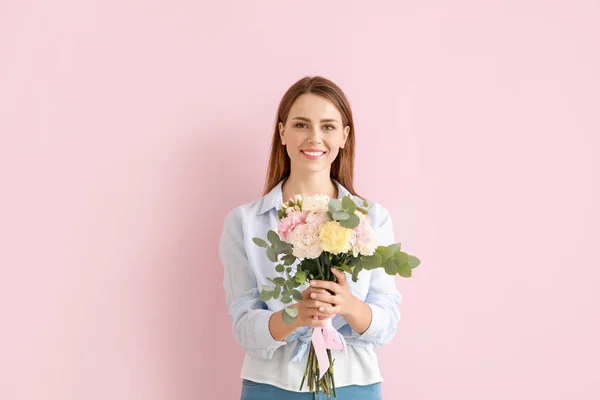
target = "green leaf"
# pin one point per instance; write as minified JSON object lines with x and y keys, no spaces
{"x":279,"y":281}
{"x":289,"y":315}
{"x":267,"y":288}
{"x":413,"y":261}
{"x":363,"y":210}
{"x":300,"y":276}
{"x":273,"y":237}
{"x":280,"y":214}
{"x":345,"y":268}
{"x":395,"y":247}
{"x":350,"y":223}
{"x":340,"y":215}
{"x":405,"y":270}
{"x":400,"y":257}
{"x":265,"y":295}
{"x":291,"y":311}
{"x":390,"y":267}
{"x":286,"y":299}
{"x":384,"y":251}
{"x":260,"y":242}
{"x":279,"y":268}
{"x":296,"y":295}
{"x":370,"y":262}
{"x":348,"y":204}
{"x":329,"y":216}
{"x":287,"y":249}
{"x":289,"y":285}
{"x":271,"y":254}
{"x":335,"y":205}
{"x":276,"y":292}
{"x":288,"y":259}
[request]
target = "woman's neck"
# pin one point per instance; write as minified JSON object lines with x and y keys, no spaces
{"x":309,"y":186}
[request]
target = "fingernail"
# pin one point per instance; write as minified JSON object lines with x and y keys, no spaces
{"x":321,"y":309}
{"x":313,"y":295}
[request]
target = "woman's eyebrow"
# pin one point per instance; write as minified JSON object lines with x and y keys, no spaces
{"x":323,"y":120}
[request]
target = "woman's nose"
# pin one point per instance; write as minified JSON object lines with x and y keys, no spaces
{"x":315,"y":135}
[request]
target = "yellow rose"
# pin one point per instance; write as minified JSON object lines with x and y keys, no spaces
{"x":335,"y":238}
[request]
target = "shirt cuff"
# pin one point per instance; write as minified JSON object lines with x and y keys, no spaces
{"x":378,"y":315}
{"x":263,"y":335}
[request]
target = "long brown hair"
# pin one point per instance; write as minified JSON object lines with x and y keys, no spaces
{"x":342,"y":168}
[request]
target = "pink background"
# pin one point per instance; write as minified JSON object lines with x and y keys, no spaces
{"x":129,"y":129}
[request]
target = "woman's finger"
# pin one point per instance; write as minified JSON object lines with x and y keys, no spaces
{"x":324,"y":297}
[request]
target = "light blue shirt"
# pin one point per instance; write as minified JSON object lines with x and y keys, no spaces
{"x":246,"y":269}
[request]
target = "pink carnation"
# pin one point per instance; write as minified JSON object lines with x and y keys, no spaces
{"x":289,"y":223}
{"x":363,"y":241}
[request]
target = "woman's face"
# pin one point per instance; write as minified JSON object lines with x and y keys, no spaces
{"x":313,"y":133}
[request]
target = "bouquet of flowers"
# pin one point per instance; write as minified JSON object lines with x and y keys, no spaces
{"x":324,"y":233}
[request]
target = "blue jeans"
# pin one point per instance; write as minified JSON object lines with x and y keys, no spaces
{"x":261,"y":391}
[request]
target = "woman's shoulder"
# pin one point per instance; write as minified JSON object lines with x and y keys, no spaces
{"x":247,"y":211}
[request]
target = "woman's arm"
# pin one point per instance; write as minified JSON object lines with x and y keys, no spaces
{"x":249,"y":315}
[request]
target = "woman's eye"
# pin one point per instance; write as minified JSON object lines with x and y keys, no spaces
{"x":300,"y":125}
{"x":329,"y":127}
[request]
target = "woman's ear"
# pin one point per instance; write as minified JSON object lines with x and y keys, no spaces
{"x":281,"y":130}
{"x":346,"y":133}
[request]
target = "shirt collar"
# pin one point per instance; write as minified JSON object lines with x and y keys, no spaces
{"x":274,"y":198}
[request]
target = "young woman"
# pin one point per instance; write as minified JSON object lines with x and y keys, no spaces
{"x":312,"y":151}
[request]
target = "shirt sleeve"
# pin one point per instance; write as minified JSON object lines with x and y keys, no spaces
{"x":248,"y":314}
{"x":383,"y":297}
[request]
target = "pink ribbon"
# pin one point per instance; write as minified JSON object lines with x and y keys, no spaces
{"x":327,"y":337}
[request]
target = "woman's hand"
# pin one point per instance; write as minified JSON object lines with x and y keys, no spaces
{"x":312,"y":312}
{"x":342,"y":301}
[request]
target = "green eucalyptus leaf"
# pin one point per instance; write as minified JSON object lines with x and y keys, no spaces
{"x":370,"y":262}
{"x":286,"y":299}
{"x":329,"y":216}
{"x":413,"y":261}
{"x":287,"y":249}
{"x":288,"y":259}
{"x":384,"y":251}
{"x":350,"y":223}
{"x":267,"y":288}
{"x":260,"y":242}
{"x":405,"y":270}
{"x":390,"y":267}
{"x":335,"y":205}
{"x":400,"y":257}
{"x":279,"y":268}
{"x":289,"y":316}
{"x":279,"y":281}
{"x":348,"y":204}
{"x":271,"y":254}
{"x":291,"y":311}
{"x":340,"y":215}
{"x":296,"y":295}
{"x":265,"y":295}
{"x":395,"y":247}
{"x":300,"y":276}
{"x":289,"y":285}
{"x":273,"y":237}
{"x":345,"y":268}
{"x":276,"y":292}
{"x":363,"y":210}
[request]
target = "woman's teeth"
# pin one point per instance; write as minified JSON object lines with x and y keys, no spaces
{"x":313,"y":154}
